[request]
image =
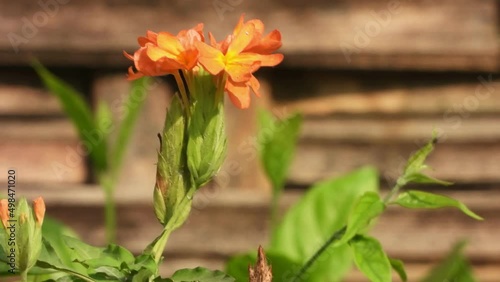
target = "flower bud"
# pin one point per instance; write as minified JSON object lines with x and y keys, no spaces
{"x":207,"y":143}
{"x":172,"y":178}
{"x":24,"y":233}
{"x":4,"y":212}
{"x":39,"y":210}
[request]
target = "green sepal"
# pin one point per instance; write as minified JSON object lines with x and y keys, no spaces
{"x":173,"y":181}
{"x":207,"y":142}
{"x":28,"y":240}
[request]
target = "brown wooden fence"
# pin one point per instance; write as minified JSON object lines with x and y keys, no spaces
{"x":373,"y":79}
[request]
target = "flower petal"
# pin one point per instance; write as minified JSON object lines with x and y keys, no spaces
{"x":170,"y":44}
{"x":255,"y":85}
{"x":210,"y":58}
{"x":239,"y":94}
{"x":241,"y":67}
{"x":241,"y":40}
{"x":270,"y":60}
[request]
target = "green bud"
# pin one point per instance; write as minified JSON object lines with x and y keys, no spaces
{"x":172,"y":177}
{"x":22,"y":233}
{"x":207,"y":143}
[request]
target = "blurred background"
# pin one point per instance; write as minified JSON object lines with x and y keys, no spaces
{"x":372,"y":78}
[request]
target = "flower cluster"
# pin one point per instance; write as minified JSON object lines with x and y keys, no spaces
{"x":231,"y":61}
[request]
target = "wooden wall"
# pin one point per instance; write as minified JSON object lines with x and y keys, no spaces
{"x":373,"y":79}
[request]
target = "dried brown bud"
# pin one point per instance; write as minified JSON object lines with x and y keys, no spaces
{"x":261,"y":272}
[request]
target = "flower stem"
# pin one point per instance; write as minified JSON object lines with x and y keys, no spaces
{"x":274,"y":208}
{"x":335,"y":236}
{"x":339,"y":233}
{"x":172,"y":224}
{"x":109,"y":209}
{"x":24,"y":276}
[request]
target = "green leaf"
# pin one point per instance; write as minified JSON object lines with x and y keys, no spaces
{"x":282,"y":267}
{"x":103,"y":120}
{"x":200,"y":274}
{"x":132,"y":106}
{"x":142,"y":275}
{"x":368,"y":207}
{"x":79,"y":113}
{"x":425,"y":179}
{"x":453,"y":268}
{"x":418,"y":199}
{"x":315,"y":217}
{"x":145,"y":261}
{"x":54,"y":233}
{"x":80,"y":250}
{"x":49,"y":259}
{"x":399,"y":267}
{"x":278,"y":139}
{"x":107,"y":273}
{"x":416,"y":164}
{"x":371,"y":259}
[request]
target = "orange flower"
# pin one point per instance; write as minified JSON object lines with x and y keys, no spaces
{"x":39,"y":210}
{"x":239,"y":56}
{"x":4,"y":212}
{"x":164,"y":53}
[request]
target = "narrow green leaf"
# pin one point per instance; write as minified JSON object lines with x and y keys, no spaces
{"x":418,"y":199}
{"x":79,"y":113}
{"x":399,"y":267}
{"x":368,"y":207}
{"x":371,"y":259}
{"x":454,"y":267}
{"x":416,"y":162}
{"x":277,"y":145}
{"x":425,"y":179}
{"x":132,"y":108}
{"x":201,"y":274}
{"x":103,"y":120}
{"x":323,"y":210}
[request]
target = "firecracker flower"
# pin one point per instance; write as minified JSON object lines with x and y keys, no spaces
{"x":193,"y":143}
{"x":232,"y":61}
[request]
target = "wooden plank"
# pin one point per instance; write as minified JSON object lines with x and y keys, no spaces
{"x":369,"y":130}
{"x":464,"y":163}
{"x":43,"y":161}
{"x":242,"y":166}
{"x":39,"y":130}
{"x":450,"y":96}
{"x":355,"y":34}
{"x":15,"y":101}
{"x":139,"y":163}
{"x":240,"y":227}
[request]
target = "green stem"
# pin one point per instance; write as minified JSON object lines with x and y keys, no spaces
{"x":173,"y":223}
{"x":339,"y":233}
{"x":274,"y":209}
{"x":335,"y":236}
{"x":24,"y":276}
{"x":110,"y":209}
